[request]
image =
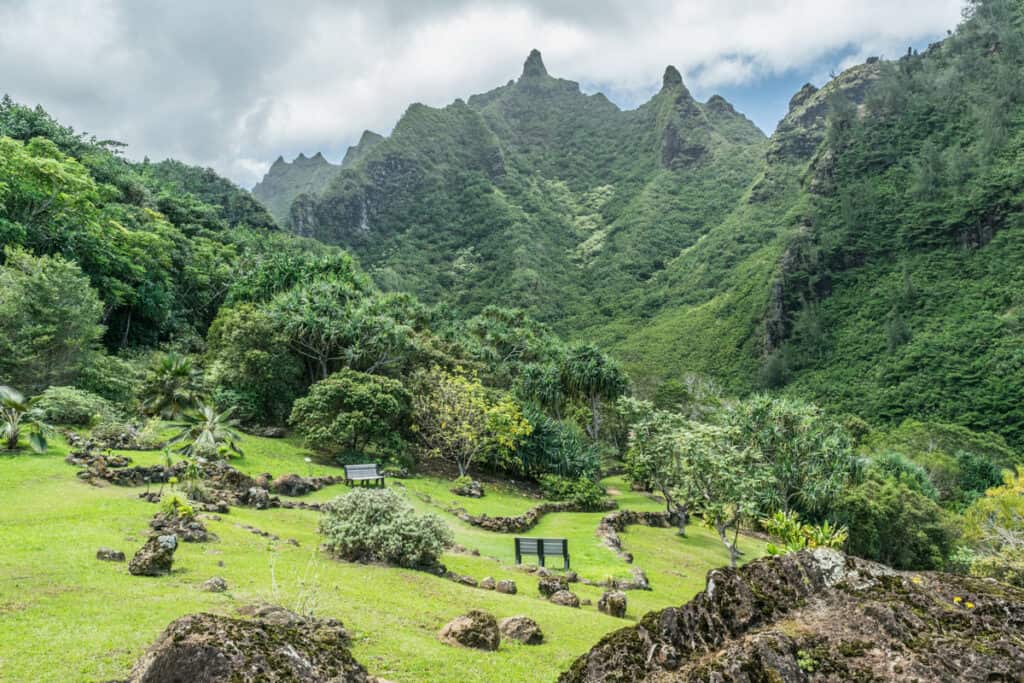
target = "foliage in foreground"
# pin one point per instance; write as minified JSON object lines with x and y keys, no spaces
{"x":378,"y":525}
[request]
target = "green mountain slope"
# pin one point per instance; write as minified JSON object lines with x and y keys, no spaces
{"x":866,"y":255}
{"x":537,"y":195}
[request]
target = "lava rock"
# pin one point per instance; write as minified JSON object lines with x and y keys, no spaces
{"x":155,"y":557}
{"x":476,"y":629}
{"x":214,"y":585}
{"x":279,"y":646}
{"x":523,"y":629}
{"x":613,"y":603}
{"x":507,"y":586}
{"x":849,"y":619}
{"x":549,"y":585}
{"x":292,"y":485}
{"x":565,"y":599}
{"x":487,"y":583}
{"x":110,"y":555}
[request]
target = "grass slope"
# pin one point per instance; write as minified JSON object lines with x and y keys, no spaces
{"x":55,"y":597}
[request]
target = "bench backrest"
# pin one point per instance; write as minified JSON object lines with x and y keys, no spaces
{"x":550,"y":546}
{"x":369,"y":470}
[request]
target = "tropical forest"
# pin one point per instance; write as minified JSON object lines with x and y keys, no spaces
{"x":533,"y":387}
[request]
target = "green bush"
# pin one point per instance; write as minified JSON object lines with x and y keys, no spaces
{"x":894,"y":524}
{"x":378,"y":525}
{"x":71,"y":406}
{"x":584,"y":492}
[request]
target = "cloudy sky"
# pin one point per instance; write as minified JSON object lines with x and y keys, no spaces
{"x":233,"y":84}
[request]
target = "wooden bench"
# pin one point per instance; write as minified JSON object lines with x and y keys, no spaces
{"x":363,"y":474}
{"x":543,"y":548}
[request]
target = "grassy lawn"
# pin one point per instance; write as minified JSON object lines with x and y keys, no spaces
{"x":56,"y":598}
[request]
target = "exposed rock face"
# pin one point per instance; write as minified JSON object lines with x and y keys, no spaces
{"x":155,"y":557}
{"x":565,"y":599}
{"x":215,"y":649}
{"x":507,"y":586}
{"x":613,"y":603}
{"x":821,"y":616}
{"x":476,"y":629}
{"x":523,"y":629}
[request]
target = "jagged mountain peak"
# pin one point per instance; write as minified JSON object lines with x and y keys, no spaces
{"x":533,"y":67}
{"x":672,"y":78}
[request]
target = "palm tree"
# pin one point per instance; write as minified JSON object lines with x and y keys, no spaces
{"x":16,"y":413}
{"x":206,"y":431}
{"x":174,"y":386}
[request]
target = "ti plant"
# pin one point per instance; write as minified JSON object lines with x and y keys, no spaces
{"x":795,"y":535}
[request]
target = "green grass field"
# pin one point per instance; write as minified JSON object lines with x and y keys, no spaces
{"x":64,"y":616}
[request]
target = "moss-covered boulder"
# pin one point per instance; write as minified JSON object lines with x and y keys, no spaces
{"x":821,"y":616}
{"x":280,"y":647}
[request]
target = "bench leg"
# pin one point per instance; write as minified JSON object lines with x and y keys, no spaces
{"x":519,"y":557}
{"x":566,"y":566}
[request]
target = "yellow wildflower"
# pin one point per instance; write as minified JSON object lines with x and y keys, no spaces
{"x":916,"y":579}
{"x":970,"y":605}
{"x":957,"y":599}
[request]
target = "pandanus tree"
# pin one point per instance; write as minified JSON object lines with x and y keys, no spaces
{"x":16,"y":413}
{"x":593,"y":376}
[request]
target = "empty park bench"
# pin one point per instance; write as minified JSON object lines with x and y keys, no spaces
{"x":362,"y":474}
{"x":542,"y":548}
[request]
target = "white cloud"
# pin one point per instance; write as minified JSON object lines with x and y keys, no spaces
{"x":232,"y":84}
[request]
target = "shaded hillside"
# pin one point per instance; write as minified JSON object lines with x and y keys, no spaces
{"x":821,"y":616}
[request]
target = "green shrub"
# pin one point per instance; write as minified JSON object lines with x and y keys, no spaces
{"x":378,"y":525}
{"x":584,"y":492}
{"x":894,"y":524}
{"x":115,"y":433}
{"x":175,"y":505}
{"x":71,"y":406}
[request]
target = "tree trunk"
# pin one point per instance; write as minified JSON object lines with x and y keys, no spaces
{"x":594,"y":428}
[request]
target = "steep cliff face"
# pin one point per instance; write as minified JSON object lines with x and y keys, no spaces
{"x":821,"y":616}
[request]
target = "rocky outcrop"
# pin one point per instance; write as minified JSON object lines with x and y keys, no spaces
{"x":155,"y":558}
{"x":522,"y":629}
{"x":275,"y":646}
{"x":476,"y":629}
{"x":821,"y":616}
